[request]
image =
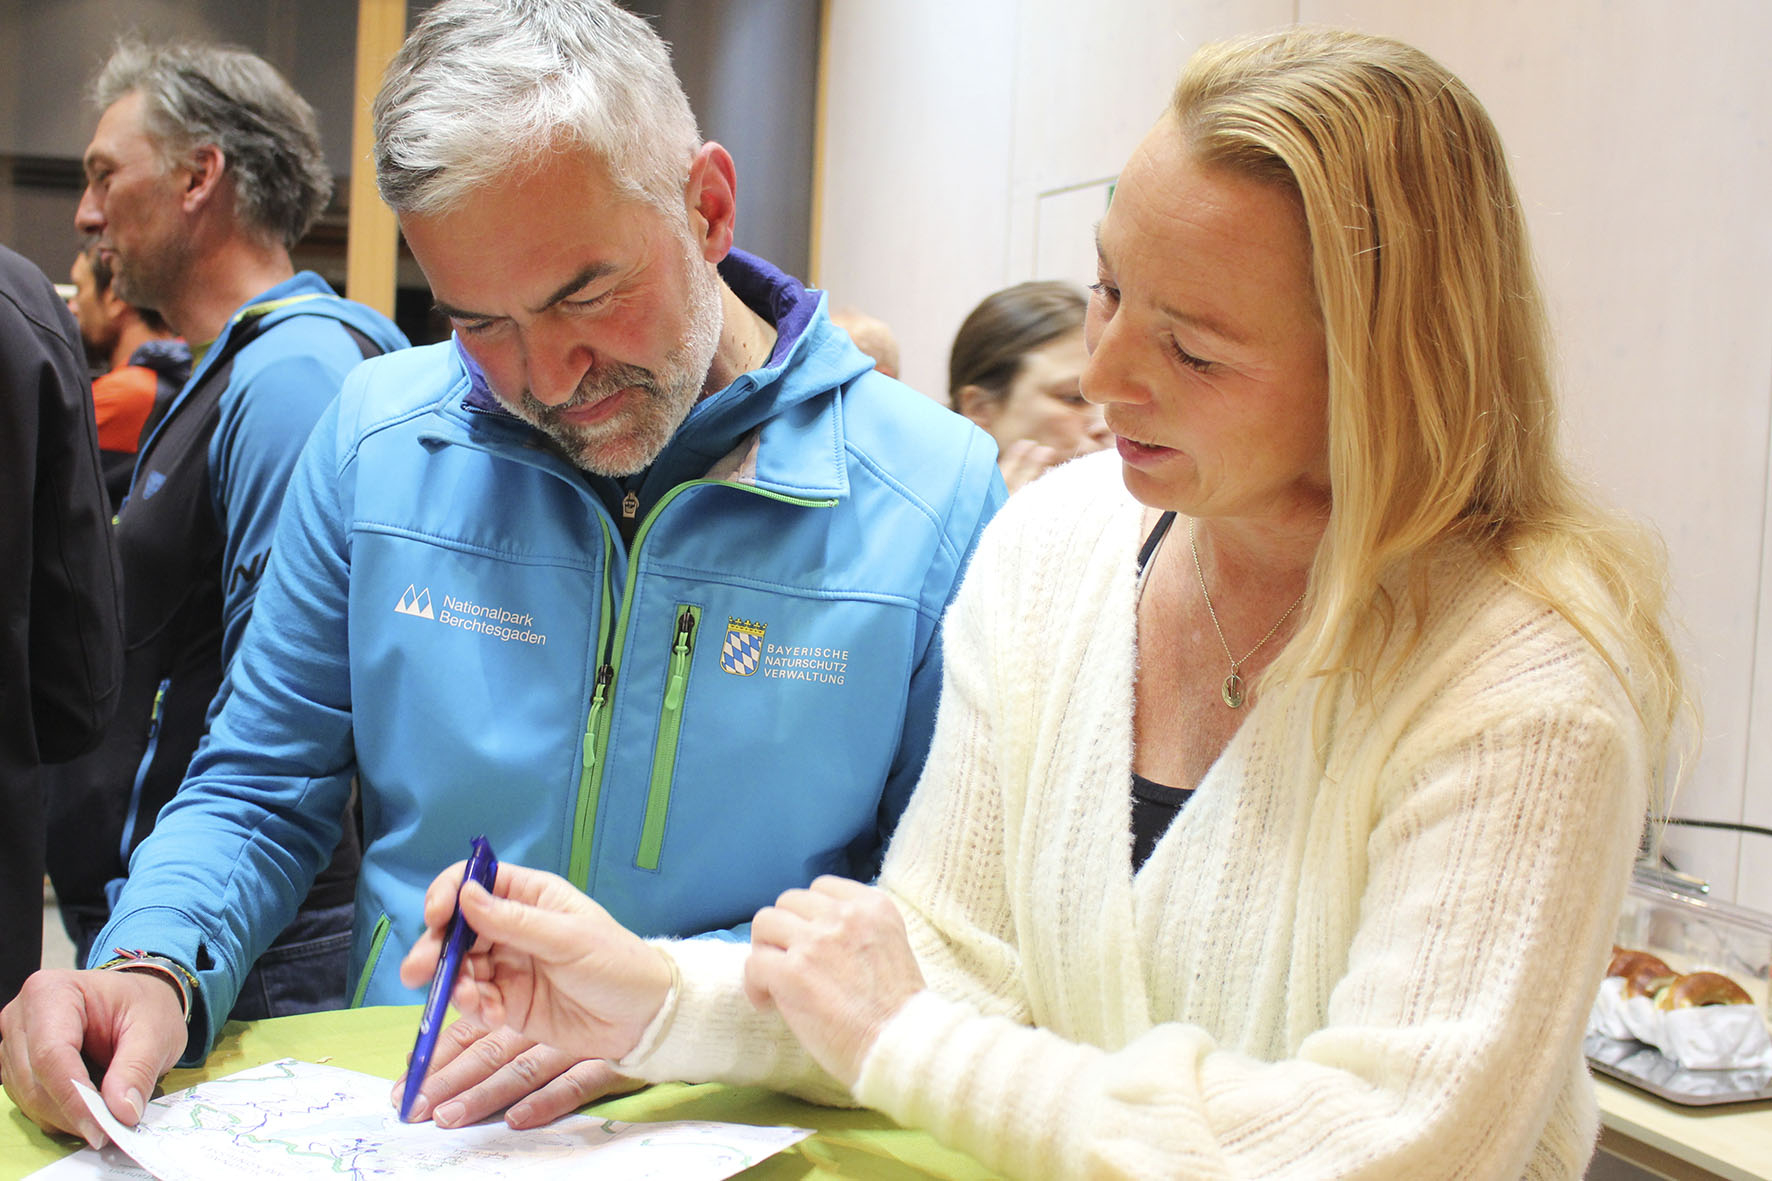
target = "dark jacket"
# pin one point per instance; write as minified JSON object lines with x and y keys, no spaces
{"x":60,"y":597}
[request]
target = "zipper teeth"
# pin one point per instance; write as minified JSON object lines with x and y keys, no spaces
{"x":582,"y":852}
{"x":584,"y":823}
{"x":584,"y":820}
{"x":670,"y":724}
{"x":645,"y":528}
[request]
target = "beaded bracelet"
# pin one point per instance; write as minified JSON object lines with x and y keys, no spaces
{"x":145,"y":961}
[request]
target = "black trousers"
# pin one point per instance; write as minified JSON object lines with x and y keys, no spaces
{"x":21,"y":878}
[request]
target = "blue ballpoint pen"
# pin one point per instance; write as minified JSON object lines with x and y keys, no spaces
{"x":482,"y":868}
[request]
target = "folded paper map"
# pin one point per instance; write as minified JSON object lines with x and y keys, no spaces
{"x":290,"y":1119}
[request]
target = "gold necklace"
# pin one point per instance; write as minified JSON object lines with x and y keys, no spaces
{"x":1232,"y":691}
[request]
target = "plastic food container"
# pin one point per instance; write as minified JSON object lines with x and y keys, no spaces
{"x":1692,"y":933}
{"x":1697,"y":933}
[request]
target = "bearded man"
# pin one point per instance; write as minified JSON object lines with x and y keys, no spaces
{"x":639,"y":575}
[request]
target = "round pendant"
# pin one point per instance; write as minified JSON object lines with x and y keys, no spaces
{"x":1233,"y":691}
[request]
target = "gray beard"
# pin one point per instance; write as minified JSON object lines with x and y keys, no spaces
{"x":667,"y":396}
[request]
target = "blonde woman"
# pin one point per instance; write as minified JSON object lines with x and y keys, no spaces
{"x":1288,"y":769}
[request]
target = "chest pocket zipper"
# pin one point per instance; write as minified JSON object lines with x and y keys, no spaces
{"x":670,"y":726}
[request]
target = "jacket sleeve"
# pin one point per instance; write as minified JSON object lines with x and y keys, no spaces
{"x":237,"y":849}
{"x":71,"y":622}
{"x":978,"y":494}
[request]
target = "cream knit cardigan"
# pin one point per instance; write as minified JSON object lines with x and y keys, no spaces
{"x":1375,"y":966}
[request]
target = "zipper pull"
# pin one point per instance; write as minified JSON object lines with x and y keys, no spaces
{"x":154,"y":713}
{"x":630,"y":504}
{"x":679,"y":661}
{"x":605,"y":674}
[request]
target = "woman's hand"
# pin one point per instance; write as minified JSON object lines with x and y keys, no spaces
{"x":547,"y":962}
{"x":836,"y":963}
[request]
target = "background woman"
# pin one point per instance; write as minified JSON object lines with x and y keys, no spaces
{"x":1279,"y":811}
{"x":1015,"y":369}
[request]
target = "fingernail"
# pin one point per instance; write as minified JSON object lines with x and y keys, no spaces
{"x":96,"y":1138}
{"x":420,"y":1108}
{"x":133,"y":1101}
{"x":448,"y":1115}
{"x":520,"y":1116}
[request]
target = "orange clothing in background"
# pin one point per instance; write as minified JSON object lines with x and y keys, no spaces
{"x":123,"y":397}
{"x":130,"y":400}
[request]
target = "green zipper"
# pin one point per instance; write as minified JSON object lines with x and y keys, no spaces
{"x":670,"y":726}
{"x":597,"y":726}
{"x":590,"y":779}
{"x":377,"y":938}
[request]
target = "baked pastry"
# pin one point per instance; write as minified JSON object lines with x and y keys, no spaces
{"x":1701,"y":988}
{"x":1644,"y":974}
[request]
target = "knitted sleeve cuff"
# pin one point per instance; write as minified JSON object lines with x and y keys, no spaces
{"x":697,"y":1034}
{"x":708,"y":1030}
{"x":661,"y":1021}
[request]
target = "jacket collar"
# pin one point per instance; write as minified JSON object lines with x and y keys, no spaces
{"x":299,"y":287}
{"x":169,"y":357}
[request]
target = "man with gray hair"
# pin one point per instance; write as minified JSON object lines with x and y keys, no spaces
{"x":203,"y":172}
{"x":639,"y":575}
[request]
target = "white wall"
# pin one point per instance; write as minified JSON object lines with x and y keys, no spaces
{"x":965,"y":145}
{"x":915,"y":156}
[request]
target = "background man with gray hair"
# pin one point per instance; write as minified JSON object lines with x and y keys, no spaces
{"x":204,"y":170}
{"x":639,"y":575}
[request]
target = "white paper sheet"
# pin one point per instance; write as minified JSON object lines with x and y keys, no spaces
{"x":290,"y":1119}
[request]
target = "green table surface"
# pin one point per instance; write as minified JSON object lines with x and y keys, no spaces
{"x":847,"y":1144}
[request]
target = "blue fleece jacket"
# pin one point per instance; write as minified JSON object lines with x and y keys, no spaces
{"x":684,"y":726}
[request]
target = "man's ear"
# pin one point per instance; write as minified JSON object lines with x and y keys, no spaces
{"x":204,"y":170}
{"x":711,"y":195}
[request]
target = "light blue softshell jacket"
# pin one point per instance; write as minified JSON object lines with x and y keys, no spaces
{"x":450,"y":616}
